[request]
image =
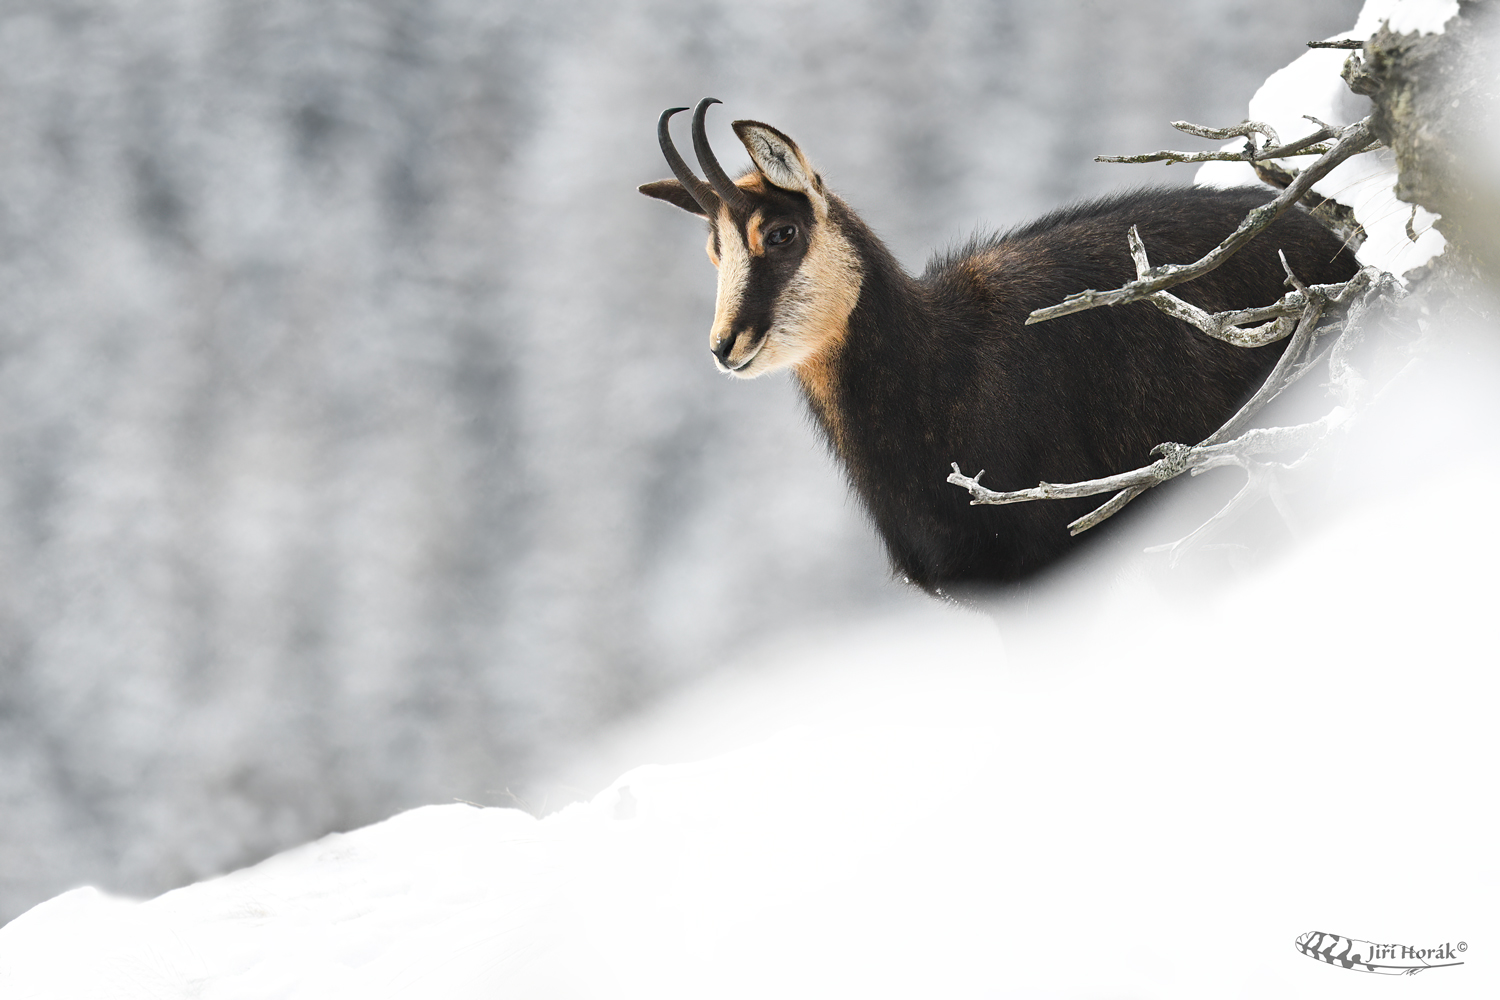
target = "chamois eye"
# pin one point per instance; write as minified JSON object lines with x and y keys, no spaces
{"x":780,"y":235}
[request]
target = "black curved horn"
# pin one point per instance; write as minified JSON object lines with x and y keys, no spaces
{"x":722,"y":185}
{"x":701,"y":192}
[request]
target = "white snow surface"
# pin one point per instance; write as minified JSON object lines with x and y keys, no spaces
{"x":1311,"y":85}
{"x":1108,"y":794}
{"x":1404,"y":16}
{"x":1126,"y":798}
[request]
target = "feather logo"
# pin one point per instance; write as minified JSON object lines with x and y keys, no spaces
{"x":1382,"y":959}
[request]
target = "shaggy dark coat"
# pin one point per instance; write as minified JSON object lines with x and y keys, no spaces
{"x":942,"y":369}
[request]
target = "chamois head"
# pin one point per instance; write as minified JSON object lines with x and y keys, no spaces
{"x":788,"y":275}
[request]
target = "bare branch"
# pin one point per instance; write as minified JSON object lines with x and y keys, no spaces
{"x":1171,"y":156}
{"x":1353,"y":139}
{"x":1259,"y":481}
{"x":1104,"y":513}
{"x":1246,"y":128}
{"x":1289,"y":367}
{"x":1338,"y":43}
{"x":1176,"y":459}
{"x":1314,"y":143}
{"x":1291,"y":276}
{"x":1138,"y":252}
{"x":1232,"y":443}
{"x":1296,"y":314}
{"x":1302,"y":147}
{"x":1336,"y":216}
{"x":1275,"y":320}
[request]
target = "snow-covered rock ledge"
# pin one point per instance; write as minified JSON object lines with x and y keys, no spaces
{"x":1399,"y":236}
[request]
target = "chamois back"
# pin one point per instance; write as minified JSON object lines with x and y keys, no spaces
{"x":1079,"y":397}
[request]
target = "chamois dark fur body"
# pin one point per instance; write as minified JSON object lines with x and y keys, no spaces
{"x":907,"y":375}
{"x":942,"y":369}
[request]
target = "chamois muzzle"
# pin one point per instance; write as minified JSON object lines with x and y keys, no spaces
{"x":724,"y":353}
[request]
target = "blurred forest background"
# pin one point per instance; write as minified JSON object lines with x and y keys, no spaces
{"x":359,"y":442}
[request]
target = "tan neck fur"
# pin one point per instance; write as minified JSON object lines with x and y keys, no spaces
{"x":817,"y":377}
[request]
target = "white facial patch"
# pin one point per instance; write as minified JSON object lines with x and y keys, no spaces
{"x":734,"y":276}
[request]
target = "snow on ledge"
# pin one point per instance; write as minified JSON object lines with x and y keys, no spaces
{"x":1311,"y":85}
{"x":1429,"y":17}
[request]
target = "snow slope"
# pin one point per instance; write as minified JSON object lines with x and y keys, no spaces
{"x":1156,"y":808}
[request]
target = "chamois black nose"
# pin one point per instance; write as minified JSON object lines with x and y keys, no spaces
{"x":726,"y":346}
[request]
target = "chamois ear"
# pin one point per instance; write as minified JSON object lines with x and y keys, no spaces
{"x":780,"y":161}
{"x":674,"y":193}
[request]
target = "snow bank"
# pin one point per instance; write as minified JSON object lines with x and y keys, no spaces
{"x":1311,"y":85}
{"x":1157,"y":807}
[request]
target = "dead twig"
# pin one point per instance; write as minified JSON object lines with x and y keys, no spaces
{"x":1234,"y":443}
{"x":1353,"y":139}
{"x":1314,"y":143}
{"x":1276,"y":320}
{"x":1297,"y":314}
{"x":1336,"y":216}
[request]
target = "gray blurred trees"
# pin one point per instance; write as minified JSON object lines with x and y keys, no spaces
{"x":312,"y":313}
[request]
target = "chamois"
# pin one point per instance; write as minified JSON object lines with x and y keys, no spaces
{"x":906,"y":375}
